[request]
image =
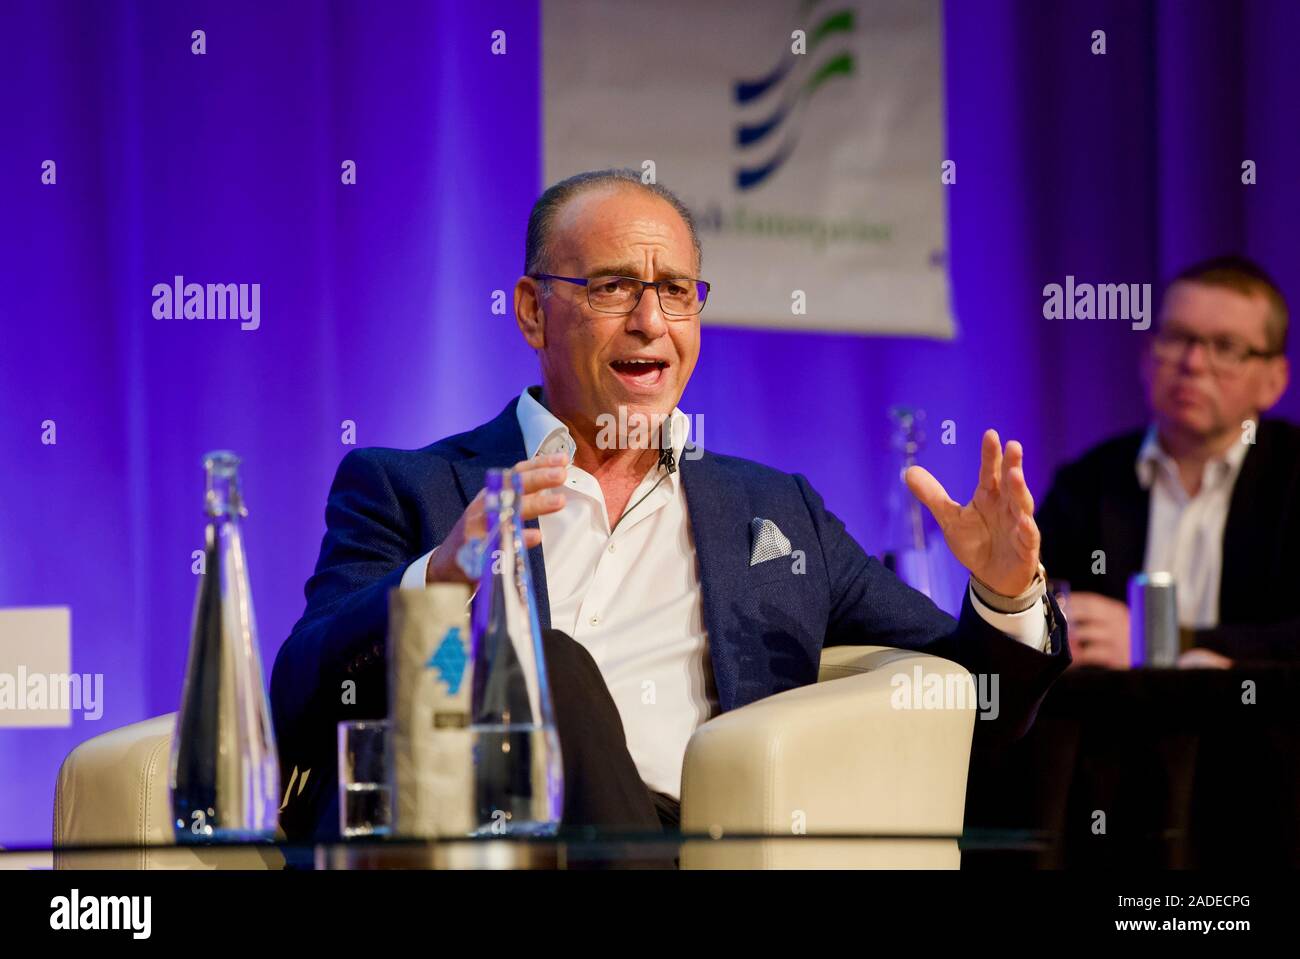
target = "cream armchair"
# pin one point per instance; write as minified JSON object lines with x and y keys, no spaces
{"x":832,"y":758}
{"x":836,"y":757}
{"x":113,"y":790}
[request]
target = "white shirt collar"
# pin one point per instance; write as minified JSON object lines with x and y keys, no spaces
{"x":1152,"y":456}
{"x":545,"y":433}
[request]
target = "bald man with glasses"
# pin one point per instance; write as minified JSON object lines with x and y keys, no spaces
{"x":1209,"y":492}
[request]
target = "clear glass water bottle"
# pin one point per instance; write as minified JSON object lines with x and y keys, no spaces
{"x":225,"y":774}
{"x":518,"y":773}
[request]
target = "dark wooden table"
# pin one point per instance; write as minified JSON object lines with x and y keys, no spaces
{"x":1150,"y":769}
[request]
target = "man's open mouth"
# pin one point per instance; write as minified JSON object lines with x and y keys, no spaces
{"x":637,"y":372}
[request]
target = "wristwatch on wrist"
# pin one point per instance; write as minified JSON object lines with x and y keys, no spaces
{"x":995,"y":601}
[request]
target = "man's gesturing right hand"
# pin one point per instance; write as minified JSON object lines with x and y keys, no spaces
{"x":542,"y":476}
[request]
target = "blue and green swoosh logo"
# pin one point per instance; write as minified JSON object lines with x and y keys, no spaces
{"x":790,"y":98}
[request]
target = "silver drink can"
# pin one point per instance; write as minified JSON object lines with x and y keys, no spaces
{"x":1153,"y":619}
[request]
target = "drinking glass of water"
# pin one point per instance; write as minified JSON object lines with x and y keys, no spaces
{"x":365,"y":786}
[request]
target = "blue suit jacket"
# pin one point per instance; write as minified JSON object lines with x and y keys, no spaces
{"x":766,"y":624}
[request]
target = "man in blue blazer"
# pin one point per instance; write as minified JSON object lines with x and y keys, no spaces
{"x":673,"y":583}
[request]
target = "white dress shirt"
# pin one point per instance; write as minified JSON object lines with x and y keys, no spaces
{"x":1185,"y":533}
{"x":632,"y":598}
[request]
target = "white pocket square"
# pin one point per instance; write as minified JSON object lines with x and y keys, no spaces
{"x":768,"y":541}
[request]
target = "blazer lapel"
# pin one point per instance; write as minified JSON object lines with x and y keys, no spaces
{"x":1123,"y":532}
{"x":1250,"y":525}
{"x":499,"y":444}
{"x":718,"y":508}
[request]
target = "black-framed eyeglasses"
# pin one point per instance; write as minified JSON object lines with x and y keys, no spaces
{"x":679,"y":297}
{"x":1223,"y":352}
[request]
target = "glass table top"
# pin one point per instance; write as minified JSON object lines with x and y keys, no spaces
{"x":567,"y":849}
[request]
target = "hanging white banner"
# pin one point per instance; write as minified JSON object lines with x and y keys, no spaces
{"x":806,"y":137}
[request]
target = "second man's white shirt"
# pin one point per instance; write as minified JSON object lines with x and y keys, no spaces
{"x":1185,"y":533}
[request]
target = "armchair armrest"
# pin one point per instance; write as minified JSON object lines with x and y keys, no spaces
{"x":834,"y":757}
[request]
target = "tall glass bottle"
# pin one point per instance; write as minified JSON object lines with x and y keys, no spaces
{"x":915,"y":550}
{"x":518,"y":773}
{"x":225,"y":774}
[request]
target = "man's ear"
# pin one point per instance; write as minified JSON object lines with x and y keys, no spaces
{"x":1276,"y":377}
{"x":529,"y":315}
